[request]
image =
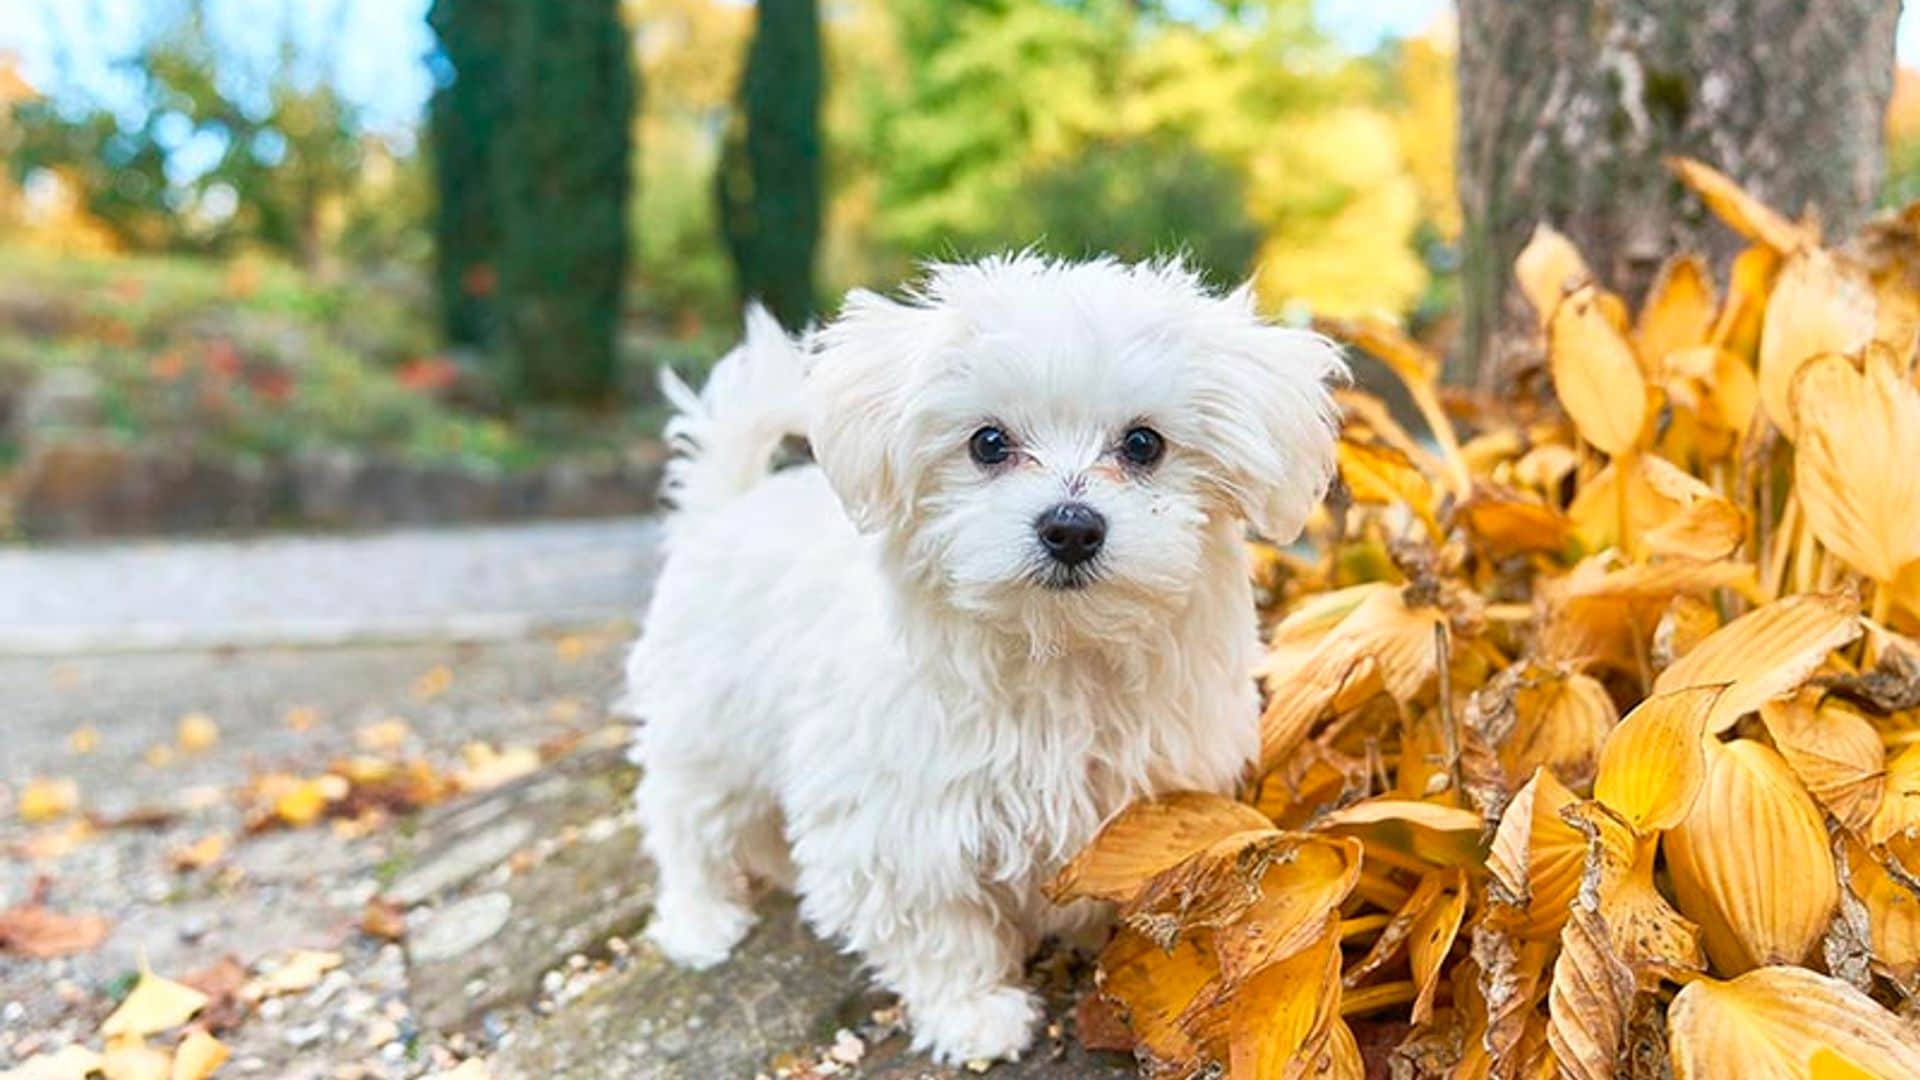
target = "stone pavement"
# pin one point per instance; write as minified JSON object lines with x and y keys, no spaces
{"x":485,"y":583}
{"x":519,"y":905}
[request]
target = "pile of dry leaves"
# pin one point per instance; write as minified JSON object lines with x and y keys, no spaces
{"x":1593,"y":744}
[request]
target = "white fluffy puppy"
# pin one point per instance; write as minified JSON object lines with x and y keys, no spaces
{"x":1012,"y":598}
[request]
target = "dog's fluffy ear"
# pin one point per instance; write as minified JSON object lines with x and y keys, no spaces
{"x":868,"y":364}
{"x":1263,"y":395}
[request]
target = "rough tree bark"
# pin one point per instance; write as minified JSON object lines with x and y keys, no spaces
{"x":1568,"y":106}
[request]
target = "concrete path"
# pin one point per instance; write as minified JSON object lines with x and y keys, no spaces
{"x":461,"y":584}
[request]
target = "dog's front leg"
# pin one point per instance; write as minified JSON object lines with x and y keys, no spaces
{"x":947,"y":949}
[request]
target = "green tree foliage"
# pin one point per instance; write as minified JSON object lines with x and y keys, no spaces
{"x":1232,"y":131}
{"x":769,"y":180}
{"x":535,"y":127}
{"x":463,"y":117}
{"x":276,"y":154}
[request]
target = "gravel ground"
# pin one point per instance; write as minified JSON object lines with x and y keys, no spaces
{"x":112,"y":726}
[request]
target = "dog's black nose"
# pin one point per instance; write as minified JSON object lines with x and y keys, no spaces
{"x":1071,"y":532}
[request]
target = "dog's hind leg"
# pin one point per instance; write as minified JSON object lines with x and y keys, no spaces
{"x":693,"y":828}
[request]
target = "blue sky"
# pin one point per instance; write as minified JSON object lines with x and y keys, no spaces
{"x":383,"y":73}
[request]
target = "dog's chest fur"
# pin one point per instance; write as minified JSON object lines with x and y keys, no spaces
{"x":1058,"y":744}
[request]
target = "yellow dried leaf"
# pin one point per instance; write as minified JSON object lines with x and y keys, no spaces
{"x":1379,"y":474}
{"x":84,"y":739}
{"x":389,"y":734}
{"x":485,"y":768}
{"x":1537,"y":858}
{"x":154,"y":1005}
{"x":1816,"y":308}
{"x":1596,"y":375}
{"x":1893,"y":916}
{"x":1429,"y":832}
{"x":1668,"y":512}
{"x":1742,"y":212}
{"x":1656,"y":941}
{"x":198,"y":1056}
{"x":1854,"y":469}
{"x":301,"y":969}
{"x":1508,"y":524}
{"x":1834,"y":751}
{"x":130,"y":1058}
{"x":432,"y":683}
{"x":201,"y":853}
{"x":67,"y":1063}
{"x":1896,"y":822}
{"x":1679,"y":311}
{"x":1560,"y":720}
{"x":300,"y":802}
{"x":1279,"y":1021}
{"x":1414,"y":364}
{"x":1588,"y":1001}
{"x":1432,"y":938}
{"x":1598,"y":615}
{"x":1749,"y":283}
{"x":1765,"y":654}
{"x":1297,"y":894}
{"x":1770,"y":1023}
{"x":1548,"y":268}
{"x":1750,"y":862}
{"x":45,"y":800}
{"x":1147,"y":838}
{"x":1312,"y":668}
{"x":196,"y":732}
{"x":1721,"y":390}
{"x":1652,"y":766}
{"x":1155,"y":988}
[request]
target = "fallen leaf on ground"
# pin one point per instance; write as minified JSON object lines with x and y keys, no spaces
{"x":66,"y":1063}
{"x":201,"y":853}
{"x":45,"y":800}
{"x":154,"y":1005}
{"x":198,"y":1056}
{"x":32,"y":930}
{"x":130,"y":1058}
{"x":299,"y":970}
{"x":196,"y":732}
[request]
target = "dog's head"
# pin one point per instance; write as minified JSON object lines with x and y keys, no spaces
{"x":1053,"y":444}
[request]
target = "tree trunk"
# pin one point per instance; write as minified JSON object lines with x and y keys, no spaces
{"x":1568,"y":106}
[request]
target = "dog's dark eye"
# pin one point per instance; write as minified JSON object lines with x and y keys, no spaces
{"x":1142,"y":446}
{"x":989,"y":446}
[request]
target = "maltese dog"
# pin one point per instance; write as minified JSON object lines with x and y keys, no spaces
{"x":909,"y":683}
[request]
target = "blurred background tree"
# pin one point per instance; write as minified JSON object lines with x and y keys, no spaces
{"x":769,"y":179}
{"x":791,"y":149}
{"x":533,"y":121}
{"x":274,"y":152}
{"x":468,"y":106}
{"x":563,"y":164}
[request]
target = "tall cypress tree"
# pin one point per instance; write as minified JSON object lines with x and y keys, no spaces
{"x":770,"y":172}
{"x":563,"y":166}
{"x":464,"y":118}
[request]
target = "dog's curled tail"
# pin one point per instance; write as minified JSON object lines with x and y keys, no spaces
{"x":724,"y":437}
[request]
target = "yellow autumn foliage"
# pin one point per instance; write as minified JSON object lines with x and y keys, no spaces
{"x":1579,"y":723}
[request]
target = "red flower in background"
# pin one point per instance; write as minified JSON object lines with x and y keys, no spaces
{"x":480,"y":279}
{"x":223,"y":359}
{"x":428,"y":374}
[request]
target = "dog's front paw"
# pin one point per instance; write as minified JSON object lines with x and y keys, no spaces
{"x":991,"y":1026}
{"x":699,"y":936}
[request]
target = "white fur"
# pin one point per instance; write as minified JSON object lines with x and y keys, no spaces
{"x":897,"y":719}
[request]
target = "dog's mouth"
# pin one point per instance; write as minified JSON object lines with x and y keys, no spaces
{"x":1059,"y":578}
